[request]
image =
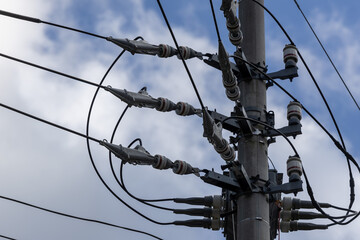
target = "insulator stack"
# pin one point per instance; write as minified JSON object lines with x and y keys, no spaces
{"x":166,"y":51}
{"x":294,"y":168}
{"x":290,"y":56}
{"x":162,"y":162}
{"x":294,"y":114}
{"x":165,"y":105}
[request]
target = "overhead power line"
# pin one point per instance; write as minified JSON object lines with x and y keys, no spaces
{"x":36,"y":20}
{"x":328,"y":56}
{"x":76,"y":217}
{"x":5,"y":237}
{"x":181,"y":56}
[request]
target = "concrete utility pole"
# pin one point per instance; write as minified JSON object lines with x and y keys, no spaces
{"x":253,"y":209}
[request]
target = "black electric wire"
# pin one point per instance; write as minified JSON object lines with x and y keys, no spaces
{"x":181,"y":56}
{"x":90,"y":154}
{"x":309,"y":189}
{"x":328,"y":56}
{"x":49,"y":70}
{"x":5,"y":237}
{"x":36,"y":20}
{"x":215,"y":22}
{"x":337,"y":144}
{"x":272,"y":163}
{"x":352,"y":182}
{"x":49,"y":123}
{"x":121,"y":181}
{"x":76,"y":217}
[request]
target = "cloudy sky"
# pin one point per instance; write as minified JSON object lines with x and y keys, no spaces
{"x":51,"y":168}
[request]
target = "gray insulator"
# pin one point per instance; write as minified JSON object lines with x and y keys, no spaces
{"x":185,"y":109}
{"x":182,"y":168}
{"x":165,"y":105}
{"x":294,"y":168}
{"x":226,"y":152}
{"x":162,"y":162}
{"x":236,"y":38}
{"x":166,"y":51}
{"x":233,"y":94}
{"x":188,"y":53}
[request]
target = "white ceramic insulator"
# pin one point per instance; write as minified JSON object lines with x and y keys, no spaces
{"x":181,"y":167}
{"x":185,"y":52}
{"x":290,"y":55}
{"x":184,"y":109}
{"x":164,"y":105}
{"x":233,"y":94}
{"x":162,"y":162}
{"x":165,"y":51}
{"x":294,"y":110}
{"x":294,"y":167}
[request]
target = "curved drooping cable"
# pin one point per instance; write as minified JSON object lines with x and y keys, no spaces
{"x":5,"y":237}
{"x":90,"y":154}
{"x":309,"y":189}
{"x":343,"y":146}
{"x":328,"y":56}
{"x":75,"y":217}
{"x":121,"y":181}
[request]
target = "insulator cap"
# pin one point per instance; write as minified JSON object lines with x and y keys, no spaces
{"x":294,"y":168}
{"x":294,"y":114}
{"x":184,"y":109}
{"x":162,"y":162}
{"x":166,"y":51}
{"x":188,"y":53}
{"x":226,"y":152}
{"x":165,"y":105}
{"x":290,"y":55}
{"x":233,"y":94}
{"x":182,"y":167}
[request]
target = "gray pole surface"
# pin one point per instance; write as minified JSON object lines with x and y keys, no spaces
{"x":253,"y":209}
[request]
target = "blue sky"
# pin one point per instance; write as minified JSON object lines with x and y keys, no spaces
{"x":51,"y":168}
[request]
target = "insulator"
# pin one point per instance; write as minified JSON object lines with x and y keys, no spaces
{"x":294,"y":168}
{"x":226,"y":152}
{"x":236,"y":38}
{"x":166,"y":51}
{"x":290,"y":55}
{"x":294,"y":113}
{"x":184,"y":109}
{"x":233,"y":94}
{"x":162,"y":162}
{"x":188,"y":53}
{"x":165,"y":105}
{"x":182,"y":167}
{"x":229,"y":82}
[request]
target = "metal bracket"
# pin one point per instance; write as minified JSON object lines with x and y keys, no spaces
{"x":241,"y":74}
{"x":234,"y":125}
{"x":222,"y":181}
{"x":287,"y":73}
{"x":290,"y":187}
{"x":291,"y":130}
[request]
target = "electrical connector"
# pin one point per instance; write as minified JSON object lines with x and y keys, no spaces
{"x":289,"y":203}
{"x":214,"y":224}
{"x":288,"y":215}
{"x":215,"y":201}
{"x":204,"y":212}
{"x":143,"y":99}
{"x":291,"y":226}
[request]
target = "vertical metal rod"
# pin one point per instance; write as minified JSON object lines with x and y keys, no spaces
{"x":253,"y":209}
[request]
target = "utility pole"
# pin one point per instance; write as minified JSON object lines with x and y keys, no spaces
{"x":253,"y":208}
